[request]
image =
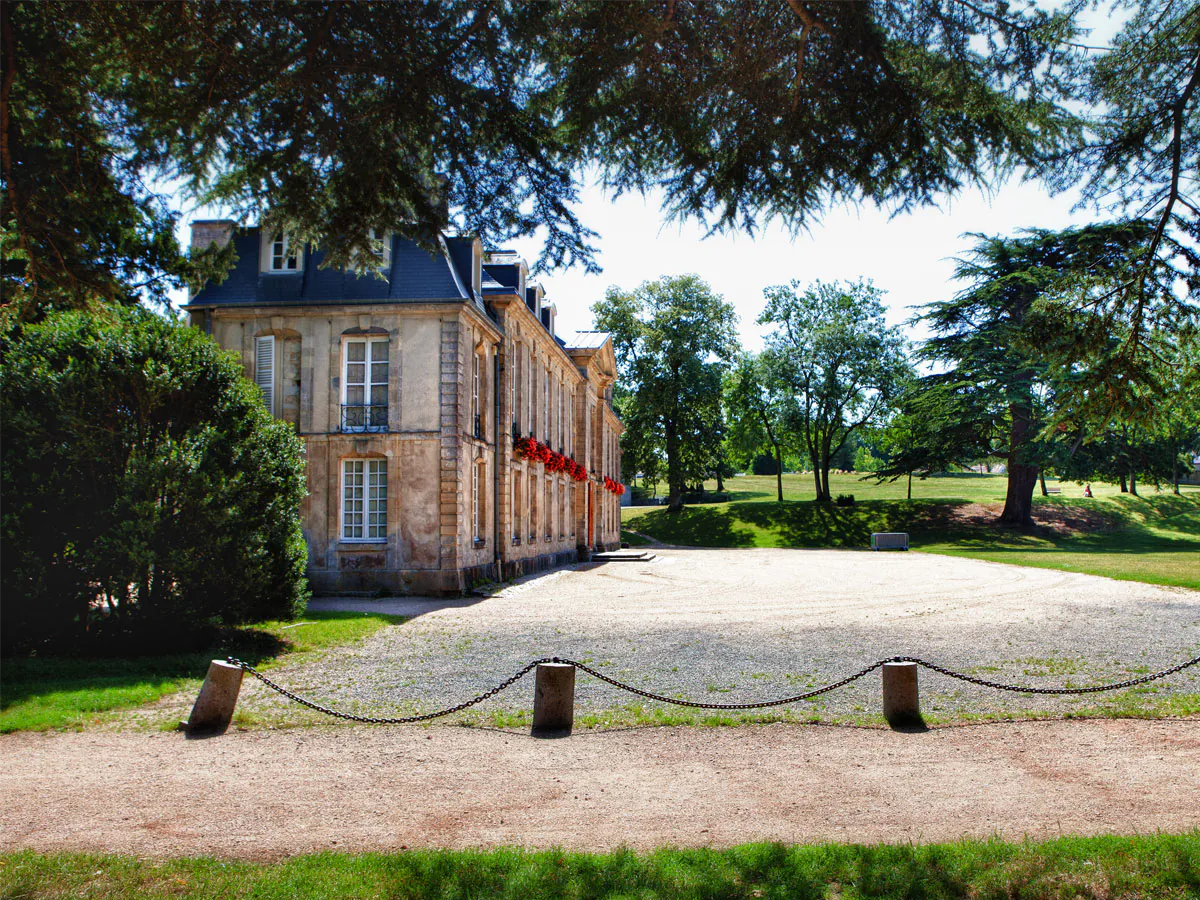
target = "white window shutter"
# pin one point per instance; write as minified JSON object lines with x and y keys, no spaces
{"x":264,"y":369}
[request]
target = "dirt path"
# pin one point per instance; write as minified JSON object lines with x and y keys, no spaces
{"x":265,"y":794}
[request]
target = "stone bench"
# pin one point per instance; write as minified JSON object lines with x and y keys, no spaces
{"x":889,"y":540}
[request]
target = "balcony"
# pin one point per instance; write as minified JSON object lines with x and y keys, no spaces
{"x":359,"y":418}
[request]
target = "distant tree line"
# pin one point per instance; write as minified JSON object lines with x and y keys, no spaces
{"x":836,"y":387}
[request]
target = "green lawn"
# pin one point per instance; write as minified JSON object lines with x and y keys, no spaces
{"x":1147,"y":867}
{"x":37,"y":694}
{"x":1153,"y":538}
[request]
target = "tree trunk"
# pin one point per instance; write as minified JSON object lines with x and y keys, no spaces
{"x":1022,"y":477}
{"x":674,"y":476}
{"x":910,"y":485}
{"x":1175,"y":474}
{"x":1133,"y":484}
{"x":1124,"y":486}
{"x":778,"y":474}
{"x":720,"y":480}
{"x":816,"y":471}
{"x":1042,"y":482}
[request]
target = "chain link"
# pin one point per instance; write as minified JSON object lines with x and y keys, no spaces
{"x":650,"y":695}
{"x":375,"y":720}
{"x":783,"y":701}
{"x":1025,"y":689}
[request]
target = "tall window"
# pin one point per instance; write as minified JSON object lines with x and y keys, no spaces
{"x":532,"y":392}
{"x":364,"y":499}
{"x":533,"y":507}
{"x":477,"y":496}
{"x":264,"y":369}
{"x":281,"y":255}
{"x":476,"y":407}
{"x":514,"y":370}
{"x":516,"y":506}
{"x":546,"y":407}
{"x":365,"y":385}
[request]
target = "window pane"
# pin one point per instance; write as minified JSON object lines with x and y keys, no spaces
{"x":379,"y":372}
{"x":356,"y":351}
{"x":379,"y":351}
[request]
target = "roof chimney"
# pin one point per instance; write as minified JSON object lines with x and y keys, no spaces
{"x":206,"y":232}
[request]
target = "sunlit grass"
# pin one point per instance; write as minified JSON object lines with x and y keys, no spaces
{"x":1153,"y":538}
{"x":1145,"y":866}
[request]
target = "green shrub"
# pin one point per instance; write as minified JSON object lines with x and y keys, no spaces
{"x":146,"y":490}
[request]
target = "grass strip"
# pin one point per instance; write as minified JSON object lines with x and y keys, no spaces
{"x":43,"y":693}
{"x":1146,"y":866}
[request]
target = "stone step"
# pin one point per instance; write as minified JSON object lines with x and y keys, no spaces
{"x":623,"y":556}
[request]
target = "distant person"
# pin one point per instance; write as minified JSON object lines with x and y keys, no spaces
{"x":1087,"y":490}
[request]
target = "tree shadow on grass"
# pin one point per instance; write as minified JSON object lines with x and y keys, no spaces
{"x":696,"y":526}
{"x":110,"y":676}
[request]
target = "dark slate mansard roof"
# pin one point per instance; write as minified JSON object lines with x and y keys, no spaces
{"x":414,"y":275}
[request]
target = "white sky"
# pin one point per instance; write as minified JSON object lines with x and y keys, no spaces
{"x":909,"y":256}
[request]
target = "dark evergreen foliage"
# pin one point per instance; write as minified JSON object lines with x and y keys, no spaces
{"x":332,"y":118}
{"x":147,"y":491}
{"x":1015,"y":347}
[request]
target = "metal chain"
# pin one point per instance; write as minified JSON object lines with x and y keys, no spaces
{"x":783,"y":701}
{"x":650,"y":695}
{"x":1024,"y":689}
{"x":375,"y":720}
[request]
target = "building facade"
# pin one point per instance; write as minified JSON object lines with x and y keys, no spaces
{"x":452,"y":436}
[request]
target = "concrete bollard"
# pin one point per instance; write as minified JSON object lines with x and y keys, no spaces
{"x":213,"y":709}
{"x":901,"y":702}
{"x":553,"y":700}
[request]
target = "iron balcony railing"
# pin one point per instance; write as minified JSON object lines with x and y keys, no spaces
{"x":360,"y":418}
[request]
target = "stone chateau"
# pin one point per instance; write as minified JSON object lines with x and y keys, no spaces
{"x":417,"y":395}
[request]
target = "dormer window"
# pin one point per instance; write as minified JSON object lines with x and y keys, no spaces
{"x":281,"y":255}
{"x":381,"y":245}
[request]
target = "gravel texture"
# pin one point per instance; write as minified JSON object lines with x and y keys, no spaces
{"x":732,"y":626}
{"x":269,"y":793}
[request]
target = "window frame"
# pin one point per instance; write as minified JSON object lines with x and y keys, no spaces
{"x":267,"y":254}
{"x":368,"y":362}
{"x":478,"y":492}
{"x":367,"y":464}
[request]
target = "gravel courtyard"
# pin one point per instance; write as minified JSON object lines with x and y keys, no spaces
{"x":731,"y":626}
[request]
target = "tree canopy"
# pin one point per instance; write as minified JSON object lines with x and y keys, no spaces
{"x":673,"y":338}
{"x":837,"y":359}
{"x":329,"y":119}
